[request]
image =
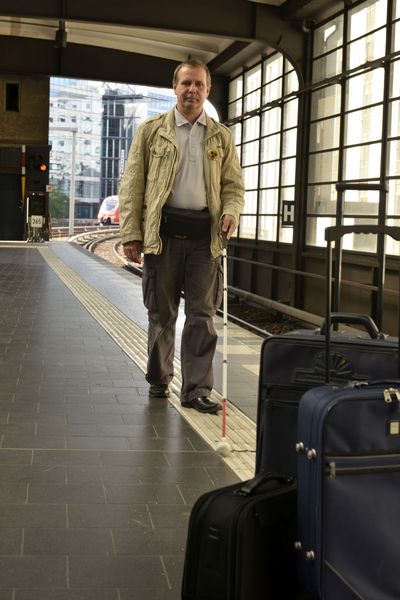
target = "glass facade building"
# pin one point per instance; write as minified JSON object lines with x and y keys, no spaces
{"x":105,"y":117}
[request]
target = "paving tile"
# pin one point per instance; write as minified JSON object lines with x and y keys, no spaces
{"x":115,"y":515}
{"x":80,"y":493}
{"x":150,"y":542}
{"x":10,"y":541}
{"x":98,"y":443}
{"x":137,"y":572}
{"x":65,"y":457}
{"x":68,"y":542}
{"x":30,"y":515}
{"x":143,"y":494}
{"x":31,"y":571}
{"x":94,"y":594}
{"x":21,"y":473}
{"x":135,"y":458}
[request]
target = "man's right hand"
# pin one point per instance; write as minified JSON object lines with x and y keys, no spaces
{"x":133,"y":251}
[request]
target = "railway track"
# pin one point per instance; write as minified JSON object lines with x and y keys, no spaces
{"x":107,"y":244}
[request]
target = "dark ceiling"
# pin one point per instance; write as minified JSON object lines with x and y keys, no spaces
{"x":141,"y":43}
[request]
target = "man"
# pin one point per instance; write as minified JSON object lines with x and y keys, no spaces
{"x":182,"y":188}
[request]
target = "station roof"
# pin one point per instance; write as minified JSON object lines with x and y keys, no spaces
{"x":142,"y":42}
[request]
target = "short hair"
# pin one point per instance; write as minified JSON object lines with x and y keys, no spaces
{"x":192,"y":62}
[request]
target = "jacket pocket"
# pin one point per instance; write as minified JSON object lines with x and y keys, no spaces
{"x":158,"y":163}
{"x":149,"y":289}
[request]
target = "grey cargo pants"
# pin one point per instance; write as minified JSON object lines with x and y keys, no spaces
{"x":183,"y":265}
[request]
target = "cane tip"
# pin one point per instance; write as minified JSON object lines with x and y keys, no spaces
{"x":223,"y":447}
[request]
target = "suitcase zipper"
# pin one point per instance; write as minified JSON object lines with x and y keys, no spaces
{"x":351,"y":465}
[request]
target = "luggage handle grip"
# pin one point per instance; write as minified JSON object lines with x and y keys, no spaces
{"x":333,"y":234}
{"x":251,"y":485}
{"x":354,"y":319}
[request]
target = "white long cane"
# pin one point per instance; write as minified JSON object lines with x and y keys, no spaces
{"x":223,"y":447}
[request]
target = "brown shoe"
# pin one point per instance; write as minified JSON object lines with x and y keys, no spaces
{"x":159,"y":390}
{"x":203,"y":404}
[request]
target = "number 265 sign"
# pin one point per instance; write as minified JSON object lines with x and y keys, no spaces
{"x":36,"y":220}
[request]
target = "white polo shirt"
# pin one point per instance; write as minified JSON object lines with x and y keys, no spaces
{"x":189,"y":190}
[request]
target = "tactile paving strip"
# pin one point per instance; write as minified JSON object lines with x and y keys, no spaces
{"x":241,"y":431}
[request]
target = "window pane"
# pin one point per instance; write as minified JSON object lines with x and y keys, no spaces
{"x":268,"y":201}
{"x":236,"y":133}
{"x":250,"y":203}
{"x":250,"y":176}
{"x":290,"y":112}
{"x":365,"y":89}
{"x":252,"y":79}
{"x":251,"y":129}
{"x":325,"y":134}
{"x":273,"y":67}
{"x":396,"y":37}
{"x":236,"y":89}
{"x":395,"y":79}
{"x":329,"y":36}
{"x":267,"y":228}
{"x":327,"y":66}
{"x":270,"y":148}
{"x":252,"y":101}
{"x":288,"y":171}
{"x":394,"y":118}
{"x":248,"y":227}
{"x":360,"y":202}
{"x":291,"y":83}
{"x":366,"y":17}
{"x":235,"y":109}
{"x":316,"y":226}
{"x":289,"y":142}
{"x":363,"y":125}
{"x":321,"y":199}
{"x":272,"y":91}
{"x":362,"y":162}
{"x":393,"y":197}
{"x":394,"y":158}
{"x":396,"y":9}
{"x":325,"y":102}
{"x":250,"y":153}
{"x":286,"y":235}
{"x":271,"y":120}
{"x":323,"y":167}
{"x":392,"y":247}
{"x":366,"y":49}
{"x":270,"y":174}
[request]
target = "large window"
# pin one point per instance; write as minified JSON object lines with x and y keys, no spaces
{"x":354,"y":126}
{"x":263,"y":109}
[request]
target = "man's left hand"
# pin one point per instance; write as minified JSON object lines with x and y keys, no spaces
{"x":227,"y":225}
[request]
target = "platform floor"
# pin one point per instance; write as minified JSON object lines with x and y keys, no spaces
{"x":97,"y":480}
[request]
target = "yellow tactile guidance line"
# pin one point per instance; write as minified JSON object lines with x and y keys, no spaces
{"x":241,"y":433}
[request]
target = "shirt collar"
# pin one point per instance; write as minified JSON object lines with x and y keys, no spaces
{"x":181,"y":120}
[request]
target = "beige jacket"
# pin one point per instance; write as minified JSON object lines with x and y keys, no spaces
{"x":150,"y":172}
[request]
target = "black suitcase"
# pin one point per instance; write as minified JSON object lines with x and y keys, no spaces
{"x":293,"y":363}
{"x":240,"y":543}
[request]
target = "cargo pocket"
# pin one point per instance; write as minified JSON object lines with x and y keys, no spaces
{"x":149,"y":289}
{"x":219,"y":283}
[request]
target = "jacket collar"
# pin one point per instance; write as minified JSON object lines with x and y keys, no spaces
{"x":168,"y":128}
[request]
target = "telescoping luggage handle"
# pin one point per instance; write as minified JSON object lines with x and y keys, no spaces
{"x":334,"y":234}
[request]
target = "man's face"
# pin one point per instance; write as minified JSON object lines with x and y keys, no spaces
{"x":191,"y":90}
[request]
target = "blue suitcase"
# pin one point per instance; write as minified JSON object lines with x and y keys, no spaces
{"x":348,"y":491}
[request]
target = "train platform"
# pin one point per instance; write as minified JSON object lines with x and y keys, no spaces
{"x":97,"y":480}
